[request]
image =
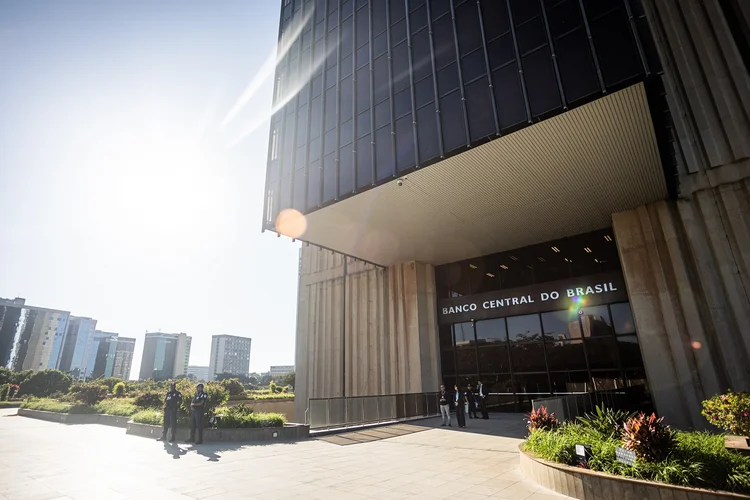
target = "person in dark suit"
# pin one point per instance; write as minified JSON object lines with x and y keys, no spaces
{"x":197,"y":407}
{"x":171,"y":403}
{"x":458,"y":400}
{"x":482,"y":397}
{"x":472,"y":402}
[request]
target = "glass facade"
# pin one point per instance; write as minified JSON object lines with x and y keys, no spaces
{"x":589,"y":345}
{"x":369,"y":90}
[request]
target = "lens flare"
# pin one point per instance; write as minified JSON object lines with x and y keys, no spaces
{"x":696,"y":345}
{"x":291,"y":223}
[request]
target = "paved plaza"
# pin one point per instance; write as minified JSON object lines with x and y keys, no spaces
{"x":44,"y":460}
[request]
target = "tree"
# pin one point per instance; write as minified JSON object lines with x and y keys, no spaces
{"x":288,"y":379}
{"x":265,"y":379}
{"x":233,"y":386}
{"x":5,"y":375}
{"x":45,"y":383}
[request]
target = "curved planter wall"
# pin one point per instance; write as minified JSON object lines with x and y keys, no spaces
{"x":290,"y":432}
{"x":589,"y":485}
{"x":67,"y":418}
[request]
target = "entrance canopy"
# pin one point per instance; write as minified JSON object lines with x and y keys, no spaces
{"x":563,"y":176}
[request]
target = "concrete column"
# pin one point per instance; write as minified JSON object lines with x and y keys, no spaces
{"x":685,"y":266}
{"x":363,"y":330}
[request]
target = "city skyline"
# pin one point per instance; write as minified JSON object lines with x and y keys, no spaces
{"x":129,"y":195}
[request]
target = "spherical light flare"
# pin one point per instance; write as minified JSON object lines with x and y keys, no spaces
{"x":291,"y":223}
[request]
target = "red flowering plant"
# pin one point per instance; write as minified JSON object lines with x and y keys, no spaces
{"x":12,"y":390}
{"x":541,"y":420}
{"x":730,"y":411}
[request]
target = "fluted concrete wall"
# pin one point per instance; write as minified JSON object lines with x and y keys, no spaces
{"x":708,"y":91}
{"x":377,"y":335}
{"x":686,"y":268}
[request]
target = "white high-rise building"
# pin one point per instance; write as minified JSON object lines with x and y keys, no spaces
{"x":229,"y":354}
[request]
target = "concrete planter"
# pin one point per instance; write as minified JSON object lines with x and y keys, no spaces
{"x":589,"y":485}
{"x":739,"y":444}
{"x":290,"y":432}
{"x":67,"y":418}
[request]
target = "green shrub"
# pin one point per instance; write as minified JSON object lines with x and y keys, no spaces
{"x":149,"y":416}
{"x":606,"y":421}
{"x":45,"y":404}
{"x":149,"y":399}
{"x":44,"y":383}
{"x":4,"y":389}
{"x":540,"y":419}
{"x":120,"y":407}
{"x":648,"y":437}
{"x":730,"y":411}
{"x":697,"y":459}
{"x":82,"y":409}
{"x":118,"y":390}
{"x":110,"y":382}
{"x":217,"y":396}
{"x":89,"y":393}
{"x":241,"y":416}
{"x":233,"y":386}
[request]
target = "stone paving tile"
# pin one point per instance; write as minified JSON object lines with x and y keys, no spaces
{"x":44,"y":461}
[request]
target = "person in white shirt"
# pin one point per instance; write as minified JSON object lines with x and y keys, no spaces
{"x":482,"y":399}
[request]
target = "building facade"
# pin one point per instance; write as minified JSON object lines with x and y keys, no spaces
{"x":101,"y":355}
{"x":551,"y":196}
{"x":165,"y":356}
{"x":123,"y":360}
{"x":229,"y":354}
{"x":76,"y":346}
{"x":30,"y":337}
{"x":199,"y":373}
{"x":281,"y":370}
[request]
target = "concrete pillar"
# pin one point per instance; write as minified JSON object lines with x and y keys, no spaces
{"x":377,"y":334}
{"x":685,"y":270}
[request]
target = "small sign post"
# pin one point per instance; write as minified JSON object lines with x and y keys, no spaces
{"x":624,"y":456}
{"x":583,"y":452}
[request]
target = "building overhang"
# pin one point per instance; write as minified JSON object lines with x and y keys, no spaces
{"x":563,"y":176}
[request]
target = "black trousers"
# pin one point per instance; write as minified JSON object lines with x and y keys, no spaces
{"x":483,"y":407}
{"x":472,"y":408}
{"x":196,"y":423}
{"x":170,"y":420}
{"x":461,"y":415}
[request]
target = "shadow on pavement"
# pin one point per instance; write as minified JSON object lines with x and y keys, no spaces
{"x":212,"y":451}
{"x":174,"y":450}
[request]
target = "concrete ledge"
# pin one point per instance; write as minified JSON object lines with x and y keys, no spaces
{"x":290,"y":432}
{"x":72,"y":419}
{"x":589,"y":485}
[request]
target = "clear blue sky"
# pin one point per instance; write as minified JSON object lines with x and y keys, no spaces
{"x":123,"y":197}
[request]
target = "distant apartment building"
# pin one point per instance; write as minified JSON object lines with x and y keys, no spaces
{"x":123,"y":357}
{"x":229,"y":354}
{"x":165,"y":355}
{"x":101,"y":355}
{"x":76,"y":346}
{"x":280,"y":371}
{"x":198,"y":373}
{"x":30,"y":336}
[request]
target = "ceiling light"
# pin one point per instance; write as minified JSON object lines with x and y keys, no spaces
{"x":607,"y":237}
{"x":514,"y":257}
{"x":568,"y":260}
{"x":596,"y":260}
{"x":490,"y":275}
{"x":588,"y":250}
{"x":555,"y":249}
{"x":542,"y":259}
{"x":530,"y":267}
{"x":504,"y":266}
{"x":472,"y":266}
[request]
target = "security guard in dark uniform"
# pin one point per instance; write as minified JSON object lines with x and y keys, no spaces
{"x":197,"y":407}
{"x":171,"y":405}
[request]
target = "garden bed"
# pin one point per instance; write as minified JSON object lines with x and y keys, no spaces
{"x":75,"y":418}
{"x":590,"y":485}
{"x":289,"y":432}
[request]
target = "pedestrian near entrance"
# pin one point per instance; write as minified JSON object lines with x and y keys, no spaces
{"x":171,"y":405}
{"x":445,"y":409}
{"x":482,"y":396}
{"x":460,"y":406}
{"x":197,"y":407}
{"x":472,"y":402}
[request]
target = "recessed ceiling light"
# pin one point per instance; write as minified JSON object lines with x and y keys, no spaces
{"x":588,"y":250}
{"x":504,"y":266}
{"x":568,"y":260}
{"x":596,"y":260}
{"x":529,"y":267}
{"x":513,"y":257}
{"x":555,"y":249}
{"x":472,"y":266}
{"x":490,"y":275}
{"x":607,"y":237}
{"x":542,"y":259}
